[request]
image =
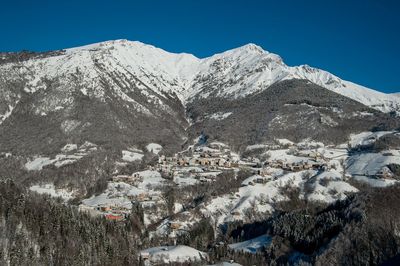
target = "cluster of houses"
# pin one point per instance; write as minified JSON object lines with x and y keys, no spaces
{"x":200,"y":157}
{"x":128,"y":179}
{"x":204,"y":162}
{"x":295,"y":166}
{"x":110,"y":212}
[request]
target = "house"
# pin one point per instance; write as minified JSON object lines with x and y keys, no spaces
{"x":235,"y":213}
{"x":144,"y":255}
{"x":264,"y":172}
{"x":203,"y":179}
{"x":234,"y":164}
{"x":317,"y":165}
{"x":193,"y":162}
{"x":384,"y":173}
{"x":120,"y":178}
{"x":204,"y":161}
{"x":276,"y":164}
{"x":105,"y":208}
{"x":297,"y":167}
{"x":161,"y":159}
{"x":174,"y":225}
{"x":227,"y":164}
{"x":114,"y":217}
{"x":260,"y":180}
{"x":314,"y":154}
{"x":183,"y":162}
{"x":142,"y":197}
{"x":212,"y":163}
{"x":126,"y":178}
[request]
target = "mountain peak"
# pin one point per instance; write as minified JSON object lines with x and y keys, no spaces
{"x":249,"y":48}
{"x":108,"y":44}
{"x":252,"y":47}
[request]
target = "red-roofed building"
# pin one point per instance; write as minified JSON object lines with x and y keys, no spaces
{"x":114,"y":217}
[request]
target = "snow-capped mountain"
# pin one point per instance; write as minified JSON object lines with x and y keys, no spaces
{"x":124,"y":64}
{"x":134,"y":90}
{"x":249,"y":69}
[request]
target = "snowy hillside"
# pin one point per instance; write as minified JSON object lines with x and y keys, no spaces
{"x":128,"y":67}
{"x":250,"y":69}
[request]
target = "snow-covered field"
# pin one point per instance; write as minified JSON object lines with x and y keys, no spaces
{"x":70,"y":154}
{"x":118,"y":193}
{"x":366,"y":138}
{"x":253,"y":245}
{"x":369,"y":164}
{"x":154,"y":148}
{"x":171,"y":254}
{"x":50,"y":190}
{"x":131,"y":156}
{"x":260,"y":198}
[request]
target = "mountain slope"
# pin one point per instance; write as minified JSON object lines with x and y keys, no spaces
{"x":122,"y":93}
{"x":292,"y":109}
{"x":249,"y":69}
{"x":99,"y":93}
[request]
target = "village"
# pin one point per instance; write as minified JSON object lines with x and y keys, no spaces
{"x":197,"y":164}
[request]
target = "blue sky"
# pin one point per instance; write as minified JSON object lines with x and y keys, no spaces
{"x":356,"y":40}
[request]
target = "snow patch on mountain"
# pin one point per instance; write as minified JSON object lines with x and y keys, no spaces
{"x":50,"y":189}
{"x":220,"y":115}
{"x":8,"y":113}
{"x":131,"y":156}
{"x":154,"y":148}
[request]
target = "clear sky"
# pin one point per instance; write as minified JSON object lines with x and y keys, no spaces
{"x":357,"y":40}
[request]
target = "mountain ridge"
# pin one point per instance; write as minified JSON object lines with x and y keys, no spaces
{"x":241,"y":71}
